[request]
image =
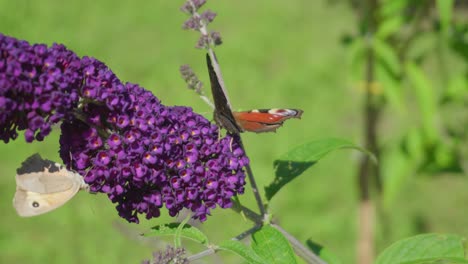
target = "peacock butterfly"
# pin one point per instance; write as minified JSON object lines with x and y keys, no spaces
{"x":258,"y":120}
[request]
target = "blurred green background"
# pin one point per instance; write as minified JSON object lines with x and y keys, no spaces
{"x":275,"y":54}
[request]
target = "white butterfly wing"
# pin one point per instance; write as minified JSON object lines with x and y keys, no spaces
{"x":29,"y":203}
{"x":42,"y":186}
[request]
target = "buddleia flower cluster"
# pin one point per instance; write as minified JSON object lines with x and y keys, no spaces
{"x":118,"y":136}
{"x":199,"y":22}
{"x":169,"y":256}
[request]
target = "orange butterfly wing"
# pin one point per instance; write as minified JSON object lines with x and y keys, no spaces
{"x":264,"y":120}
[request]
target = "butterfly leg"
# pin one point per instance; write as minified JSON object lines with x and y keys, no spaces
{"x":219,"y":134}
{"x":230,"y":144}
{"x":71,"y":160}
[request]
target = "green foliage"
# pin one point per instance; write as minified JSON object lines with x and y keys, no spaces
{"x":271,"y":245}
{"x":396,"y":172}
{"x":387,"y":55}
{"x":293,"y":163}
{"x":426,"y":99}
{"x":181,"y":230}
{"x":445,"y":7}
{"x":324,"y":253}
{"x":242,"y":250}
{"x":426,"y":249}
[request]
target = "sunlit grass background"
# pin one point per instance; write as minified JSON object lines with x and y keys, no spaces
{"x":275,"y":54}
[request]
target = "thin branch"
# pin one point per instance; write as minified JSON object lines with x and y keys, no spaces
{"x":207,"y":100}
{"x":301,"y":250}
{"x":251,"y":215}
{"x":253,"y":184}
{"x":204,"y":253}
{"x":247,"y":233}
{"x":213,"y":249}
{"x":367,"y":169}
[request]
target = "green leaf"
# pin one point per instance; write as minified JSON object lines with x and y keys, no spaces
{"x":396,"y":171}
{"x":457,"y":89}
{"x":391,"y":86}
{"x":427,"y":248}
{"x":444,"y":7}
{"x":387,"y":55}
{"x":425,"y":97}
{"x":414,"y":144}
{"x":242,"y":250}
{"x":392,"y":7}
{"x":323,"y":253}
{"x":422,"y":45}
{"x":299,"y":159}
{"x":187,"y":231}
{"x":272,"y":246}
{"x":390,"y":26}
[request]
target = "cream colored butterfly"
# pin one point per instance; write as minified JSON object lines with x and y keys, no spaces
{"x":43,"y":185}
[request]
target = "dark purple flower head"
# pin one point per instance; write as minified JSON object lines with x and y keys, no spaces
{"x":38,"y":87}
{"x":142,"y":154}
{"x":159,"y":164}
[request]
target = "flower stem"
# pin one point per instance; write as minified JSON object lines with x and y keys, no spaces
{"x":307,"y":255}
{"x":301,"y":250}
{"x":253,"y":184}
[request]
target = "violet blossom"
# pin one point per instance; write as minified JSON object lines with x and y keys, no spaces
{"x":118,"y":136}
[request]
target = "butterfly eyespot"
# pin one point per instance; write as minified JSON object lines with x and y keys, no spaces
{"x":35,"y":204}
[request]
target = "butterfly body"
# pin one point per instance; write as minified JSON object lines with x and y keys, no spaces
{"x":42,"y":186}
{"x":258,"y":120}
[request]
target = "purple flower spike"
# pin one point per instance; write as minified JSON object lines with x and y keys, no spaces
{"x":38,"y":87}
{"x":142,"y":154}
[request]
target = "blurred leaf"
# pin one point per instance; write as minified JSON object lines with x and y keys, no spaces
{"x":426,"y":248}
{"x":299,"y":159}
{"x":425,"y":97}
{"x":414,"y":144}
{"x":242,"y":250}
{"x":439,"y":158}
{"x":323,"y":253}
{"x":396,"y":170}
{"x":422,"y":45}
{"x":457,"y":89}
{"x":390,"y":26}
{"x":444,"y":7}
{"x":187,"y":231}
{"x":387,"y":55}
{"x":392,"y":7}
{"x":444,"y":156}
{"x":270,"y":244}
{"x":459,"y":39}
{"x":391,"y":86}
